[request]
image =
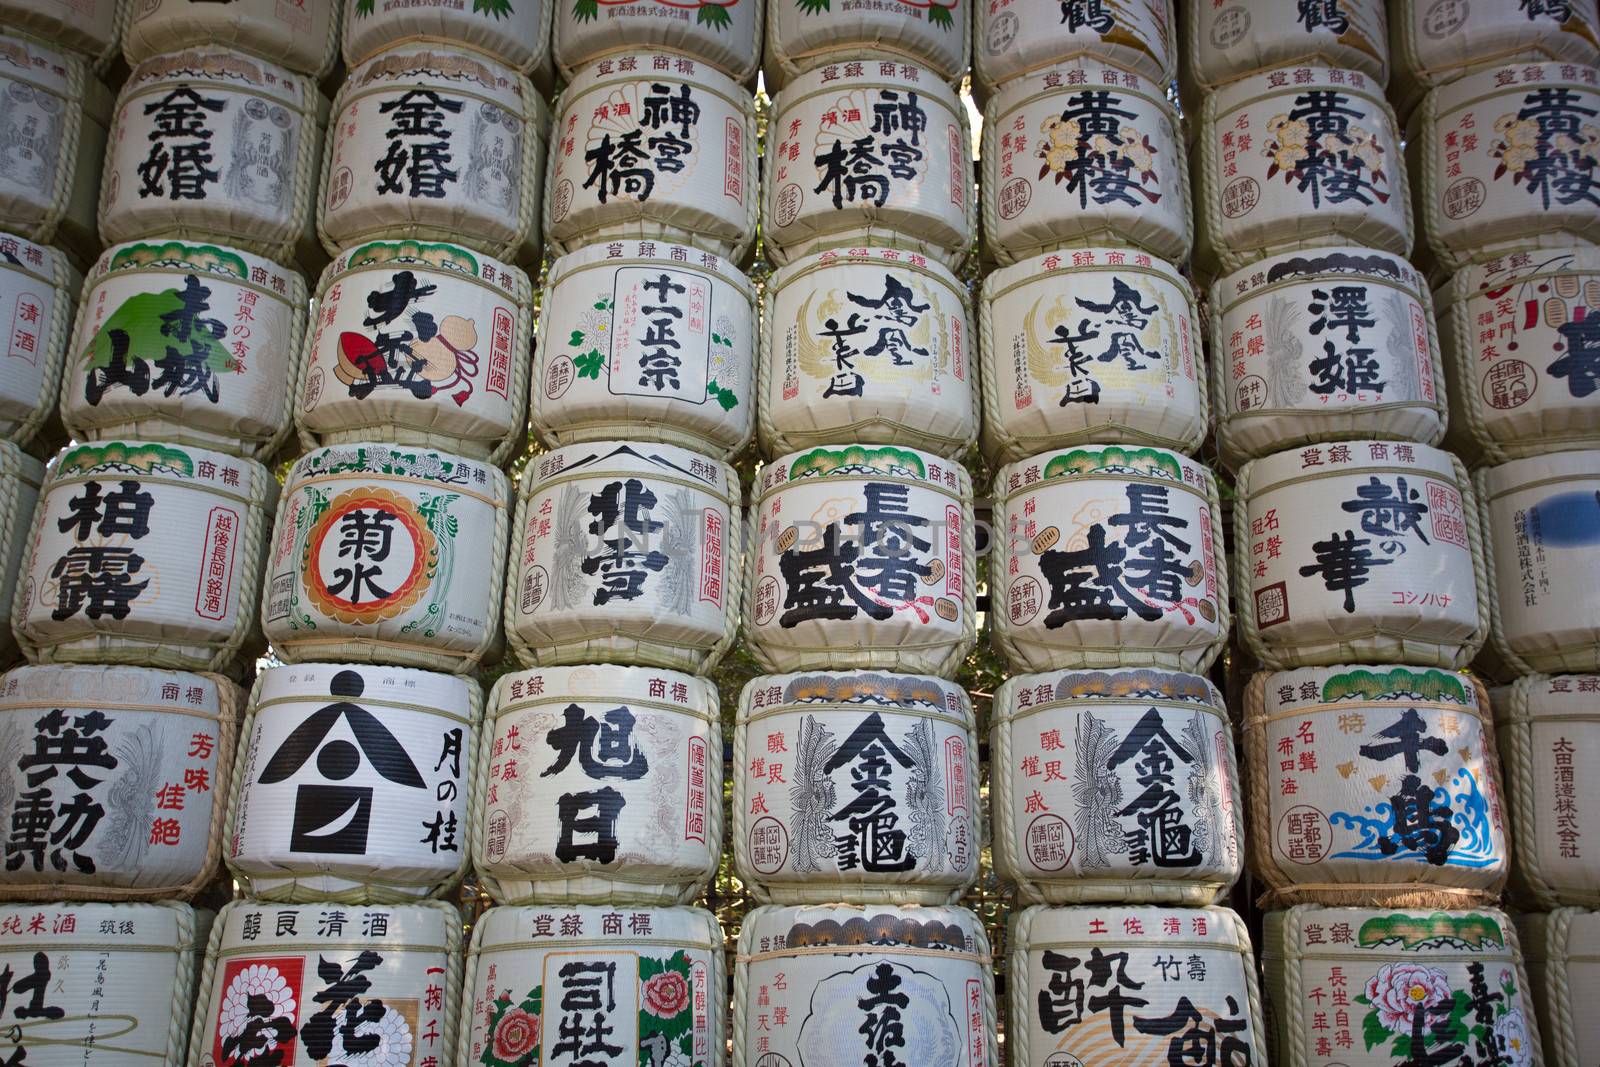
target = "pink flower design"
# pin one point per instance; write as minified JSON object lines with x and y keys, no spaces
{"x":666,"y":994}
{"x":515,"y":1035}
{"x":1399,"y":990}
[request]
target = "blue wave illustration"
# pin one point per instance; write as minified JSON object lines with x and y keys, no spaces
{"x":1470,"y":815}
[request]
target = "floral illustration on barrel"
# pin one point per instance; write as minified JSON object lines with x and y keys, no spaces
{"x":1117,"y":785}
{"x":855,"y":784}
{"x":1379,"y":785}
{"x":189,"y":342}
{"x":115,"y":780}
{"x":37,"y":294}
{"x":353,"y":783}
{"x":1108,"y":555}
{"x":603,"y":784}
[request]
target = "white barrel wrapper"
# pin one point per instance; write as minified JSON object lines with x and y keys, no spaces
{"x":1562,"y":952}
{"x":1504,"y":160}
{"x":212,"y":144}
{"x":647,"y":981}
{"x":880,"y":983}
{"x":725,"y":33}
{"x":328,"y":983}
{"x":626,"y":553}
{"x":804,"y":33}
{"x":1360,"y":551}
{"x":599,"y":784}
{"x":864,"y":557}
{"x":98,"y":985}
{"x":1522,"y":354}
{"x":516,"y":32}
{"x":1086,"y":346}
{"x":867,"y":345}
{"x":624,"y":353}
{"x":1115,"y":786}
{"x":190,"y":343}
{"x":302,"y":36}
{"x":354,"y":783}
{"x":92,"y":29}
{"x":1108,"y":555}
{"x":1083,"y":153}
{"x":1236,"y":38}
{"x":54,"y":124}
{"x":38,"y":290}
{"x":418,"y":342}
{"x":1298,"y":158}
{"x":856,"y":785}
{"x":1324,"y":344}
{"x":653,"y":145}
{"x":868,"y":152}
{"x":439,"y":144}
{"x":1012,"y":38}
{"x":1352,"y":986}
{"x":1541,"y":521}
{"x":1377,"y":785}
{"x":1160,"y":982}
{"x":145,"y":553}
{"x":1549,"y":735}
{"x":116,"y":781}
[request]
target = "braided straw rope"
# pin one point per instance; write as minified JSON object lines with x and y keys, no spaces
{"x":636,"y":881}
{"x":290,"y":890}
{"x":1557,"y":1000}
{"x":17,"y":471}
{"x":230,"y":697}
{"x":914,"y":886}
{"x":55,"y":339}
{"x":875,"y":429}
{"x":1285,"y":889}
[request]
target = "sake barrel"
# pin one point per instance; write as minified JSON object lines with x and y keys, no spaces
{"x":1095,"y":345}
{"x":38,"y":289}
{"x":115,"y":781}
{"x":1231,"y":40}
{"x":867,"y":345}
{"x":647,"y":983}
{"x":599,"y":784}
{"x":1108,"y":556}
{"x":628,"y":553}
{"x":654,"y":146}
{"x":801,"y":35}
{"x":1296,"y":158}
{"x":435,"y":144}
{"x":145,"y":553}
{"x":1504,"y":161}
{"x":866,"y":152}
{"x":1562,"y":954}
{"x":1353,"y":985}
{"x":98,"y":984}
{"x":855,"y":785}
{"x":302,"y":36}
{"x":20,"y":478}
{"x":1524,"y":372}
{"x":1366,"y":550}
{"x":353,"y":784}
{"x":388,"y":554}
{"x":875,"y":984}
{"x":647,"y":339}
{"x":1147,"y":811}
{"x":1378,"y":785}
{"x":325,"y":983}
{"x":1324,"y":344}
{"x":92,"y":29}
{"x":212,"y":145}
{"x":1434,"y":41}
{"x":865,"y":557}
{"x":724,"y":33}
{"x":1549,"y":736}
{"x":424,"y":343}
{"x":52,"y":142}
{"x":190,"y":343}
{"x":1080,"y":154}
{"x":1162,"y":982}
{"x":1542,"y":519}
{"x":514,"y":32}
{"x":1135,"y":37}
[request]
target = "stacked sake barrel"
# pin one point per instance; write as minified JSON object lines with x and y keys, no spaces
{"x":1376,"y":817}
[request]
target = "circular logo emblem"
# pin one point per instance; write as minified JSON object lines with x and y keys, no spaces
{"x":1510,"y":383}
{"x":1014,"y":197}
{"x":789,"y":198}
{"x":1304,"y":834}
{"x":1462,"y":197}
{"x":340,"y":182}
{"x":561,"y":203}
{"x":1240,"y":197}
{"x":1230,"y":26}
{"x":558,"y":377}
{"x":1001,"y":32}
{"x":1023,"y":600}
{"x":1444,"y":18}
{"x":769,"y":844}
{"x":313,"y":389}
{"x":1049,"y":842}
{"x":370,"y":556}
